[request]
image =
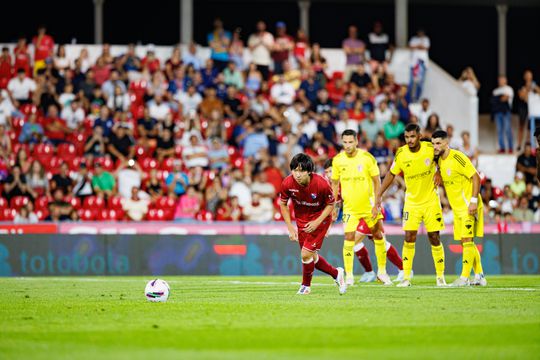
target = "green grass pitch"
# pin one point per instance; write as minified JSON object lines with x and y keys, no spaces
{"x":262,"y":318}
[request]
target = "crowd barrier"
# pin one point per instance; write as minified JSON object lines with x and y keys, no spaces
{"x":229,"y":254}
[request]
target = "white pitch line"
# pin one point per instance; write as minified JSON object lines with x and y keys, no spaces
{"x":264,"y":283}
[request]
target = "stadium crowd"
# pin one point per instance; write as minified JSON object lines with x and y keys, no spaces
{"x":129,"y":138}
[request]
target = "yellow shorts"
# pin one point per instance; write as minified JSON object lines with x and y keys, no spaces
{"x":430,"y":214}
{"x":351,"y":220}
{"x":468,"y":226}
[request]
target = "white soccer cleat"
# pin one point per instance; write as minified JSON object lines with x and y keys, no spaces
{"x":368,"y":277}
{"x":349,"y":279}
{"x":340,"y":281}
{"x":304,"y":290}
{"x":441,"y":282}
{"x":479,"y":280}
{"x":404,"y":283}
{"x":461,"y":282}
{"x":401,"y":276}
{"x":385,"y":279}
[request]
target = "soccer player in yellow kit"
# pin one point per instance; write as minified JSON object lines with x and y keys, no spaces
{"x":462,"y":184}
{"x":357,"y":172}
{"x":422,"y":202}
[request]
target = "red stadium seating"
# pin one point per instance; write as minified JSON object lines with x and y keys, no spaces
{"x":204,"y":215}
{"x":42,"y":202}
{"x":28,"y":109}
{"x":165,"y":202}
{"x":67,"y":151}
{"x":73,"y":201}
{"x":42,"y":214}
{"x":3,"y":203}
{"x":43,"y":153}
{"x":18,"y":202}
{"x":9,"y":214}
{"x":88,"y":214}
{"x":94,"y":202}
{"x":167,"y":164}
{"x":53,"y":165}
{"x":156,"y":215}
{"x":148,"y":164}
{"x":115,"y":203}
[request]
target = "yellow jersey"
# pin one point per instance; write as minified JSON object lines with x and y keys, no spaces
{"x":457,"y":171}
{"x":355,"y":176}
{"x":418,"y":170}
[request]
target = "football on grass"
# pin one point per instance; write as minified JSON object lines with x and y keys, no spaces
{"x":157,"y":290}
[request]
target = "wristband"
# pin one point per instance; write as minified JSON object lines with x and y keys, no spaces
{"x":474,"y":200}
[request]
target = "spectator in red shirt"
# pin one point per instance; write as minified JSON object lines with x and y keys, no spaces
{"x":6,"y":70}
{"x":22,"y":58}
{"x":56,"y":128}
{"x":151,"y":62}
{"x":43,"y":48}
{"x":283,"y":45}
{"x":102,"y":71}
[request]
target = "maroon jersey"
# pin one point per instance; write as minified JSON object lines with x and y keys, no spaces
{"x":308,"y":201}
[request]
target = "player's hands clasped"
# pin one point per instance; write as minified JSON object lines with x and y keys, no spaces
{"x":311,"y":226}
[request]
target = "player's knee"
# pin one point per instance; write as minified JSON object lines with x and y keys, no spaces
{"x":434,"y":238}
{"x":349,"y":236}
{"x":464,"y":241}
{"x":378,"y":235}
{"x":307,"y":256}
{"x":410,"y":237}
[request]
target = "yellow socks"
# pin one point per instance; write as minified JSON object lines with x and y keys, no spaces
{"x":408,"y":256}
{"x":438,"y":259}
{"x":468,"y":259}
{"x":348,"y":256}
{"x":477,"y":264}
{"x":380,"y":252}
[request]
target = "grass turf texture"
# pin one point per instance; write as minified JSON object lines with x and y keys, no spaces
{"x":262,"y":318}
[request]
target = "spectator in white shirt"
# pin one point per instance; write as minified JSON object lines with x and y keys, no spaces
{"x":6,"y":109}
{"x":469,"y":81}
{"x":196,"y":154}
{"x":73,"y":114}
{"x":420,"y":44}
{"x":21,"y":88}
{"x":282,"y":92}
{"x":260,"y":209}
{"x":383,"y":114}
{"x":134,"y":206}
{"x":260,"y":44}
{"x":501,"y":103}
{"x":158,"y":108}
{"x":189,"y":100}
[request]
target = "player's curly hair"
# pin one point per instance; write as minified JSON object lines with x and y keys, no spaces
{"x":302,"y":162}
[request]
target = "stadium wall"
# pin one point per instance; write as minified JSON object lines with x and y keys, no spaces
{"x":198,"y":254}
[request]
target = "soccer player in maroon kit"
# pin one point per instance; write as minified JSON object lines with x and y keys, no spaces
{"x":313,"y":203}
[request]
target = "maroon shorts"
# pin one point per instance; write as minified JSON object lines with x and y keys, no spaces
{"x":313,"y":241}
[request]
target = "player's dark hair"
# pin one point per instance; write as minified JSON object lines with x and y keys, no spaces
{"x":328,"y":164}
{"x":302,"y":162}
{"x":412,"y":127}
{"x":440,"y":134}
{"x":349,"y":132}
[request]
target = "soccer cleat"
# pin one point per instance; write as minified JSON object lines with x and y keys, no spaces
{"x":460,"y":282}
{"x":401,"y":276}
{"x":479,"y":280}
{"x":349,"y":279}
{"x":385,"y":279}
{"x":304,"y":290}
{"x":340,"y":281}
{"x":369,"y":276}
{"x":404,"y":283}
{"x":441,"y":282}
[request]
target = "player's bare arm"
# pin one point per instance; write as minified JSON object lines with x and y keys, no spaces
{"x":293,"y":233}
{"x":388,"y":180}
{"x":473,"y":204}
{"x":314,"y":224}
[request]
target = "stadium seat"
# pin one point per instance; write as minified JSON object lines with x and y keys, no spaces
{"x":148,"y":164}
{"x":42,"y":202}
{"x":156,"y":215}
{"x":75,"y":163}
{"x":165,"y":202}
{"x":28,"y":109}
{"x":53,"y":165}
{"x":9,"y":214}
{"x":141,"y":152}
{"x":74,"y":201}
{"x":17,"y":147}
{"x":43,"y":153}
{"x":167,"y":164}
{"x":204,"y":215}
{"x":115,"y":203}
{"x":67,"y":151}
{"x":18,"y":202}
{"x":87,"y":214}
{"x":42,"y":214}
{"x":94,"y":202}
{"x":3,"y":203}
{"x":106,"y":163}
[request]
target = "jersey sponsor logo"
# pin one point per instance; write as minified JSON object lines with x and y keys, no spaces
{"x":427,"y":162}
{"x":313,"y":196}
{"x":360,"y":168}
{"x":448,"y":172}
